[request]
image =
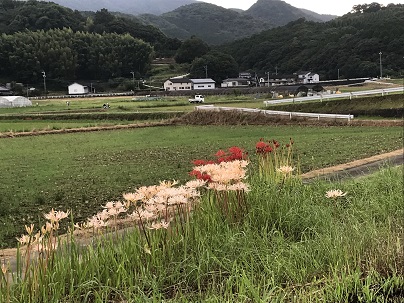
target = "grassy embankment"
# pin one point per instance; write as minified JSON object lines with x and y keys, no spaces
{"x":291,"y":244}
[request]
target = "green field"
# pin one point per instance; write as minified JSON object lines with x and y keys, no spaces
{"x":83,"y":171}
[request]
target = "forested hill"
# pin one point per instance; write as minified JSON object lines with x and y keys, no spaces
{"x":32,"y":15}
{"x":217,"y":25}
{"x":211,"y":23}
{"x":134,"y":7}
{"x":280,"y":13}
{"x":350,"y":44}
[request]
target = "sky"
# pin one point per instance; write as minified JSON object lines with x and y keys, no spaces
{"x":331,"y":7}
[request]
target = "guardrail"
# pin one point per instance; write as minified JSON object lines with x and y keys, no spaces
{"x":274,"y":112}
{"x":82,"y":96}
{"x":350,"y":95}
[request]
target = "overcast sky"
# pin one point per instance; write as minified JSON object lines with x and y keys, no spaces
{"x":339,"y":8}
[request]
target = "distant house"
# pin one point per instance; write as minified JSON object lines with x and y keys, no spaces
{"x":307,"y":77}
{"x":203,"y":83}
{"x":175,"y":84}
{"x":278,"y":80}
{"x":4,"y":91}
{"x":236,"y":82}
{"x":77,"y":89}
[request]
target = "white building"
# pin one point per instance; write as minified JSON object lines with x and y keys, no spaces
{"x":77,"y":89}
{"x":308,"y":77}
{"x":175,"y":84}
{"x":236,"y":82}
{"x":203,"y":83}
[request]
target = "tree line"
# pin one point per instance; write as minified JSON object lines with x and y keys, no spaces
{"x":66,"y":54}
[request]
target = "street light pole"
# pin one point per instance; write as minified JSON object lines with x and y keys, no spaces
{"x":268,"y":77}
{"x":133,"y":81}
{"x":381,"y":68}
{"x":44,"y":83}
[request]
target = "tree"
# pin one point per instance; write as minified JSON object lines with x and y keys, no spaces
{"x":219,"y":66}
{"x":191,"y":49}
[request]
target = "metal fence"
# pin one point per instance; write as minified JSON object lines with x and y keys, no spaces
{"x":324,"y":97}
{"x":274,"y":112}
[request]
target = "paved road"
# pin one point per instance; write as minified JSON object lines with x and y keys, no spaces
{"x":357,"y":168}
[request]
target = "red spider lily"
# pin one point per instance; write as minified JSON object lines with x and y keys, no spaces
{"x":201,"y":176}
{"x":220,"y":153}
{"x":262,"y":148}
{"x":234,"y":153}
{"x":260,"y":145}
{"x":268,"y":149}
{"x":199,"y":162}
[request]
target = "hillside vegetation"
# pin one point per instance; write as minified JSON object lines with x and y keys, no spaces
{"x":32,"y":15}
{"x":350,"y":44}
{"x":217,"y":25}
{"x":212,"y":23}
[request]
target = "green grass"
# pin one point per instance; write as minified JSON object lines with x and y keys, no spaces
{"x":126,"y":104}
{"x":387,"y":106}
{"x":293,"y":245}
{"x":32,"y":125}
{"x":83,"y":171}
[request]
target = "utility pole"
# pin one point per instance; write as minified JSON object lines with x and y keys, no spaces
{"x":381,"y":67}
{"x":133,"y":81}
{"x":276,"y":70}
{"x":267,"y":73}
{"x":338,"y":74}
{"x":206,"y":71}
{"x":44,"y":83}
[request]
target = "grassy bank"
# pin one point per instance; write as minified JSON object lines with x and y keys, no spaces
{"x":390,"y":106}
{"x":291,"y":244}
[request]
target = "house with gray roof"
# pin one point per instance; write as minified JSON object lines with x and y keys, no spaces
{"x":4,"y":91}
{"x":203,"y":83}
{"x":236,"y":82}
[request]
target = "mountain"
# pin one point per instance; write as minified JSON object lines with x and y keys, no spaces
{"x":217,"y":25}
{"x":134,"y":7}
{"x":213,"y":24}
{"x":280,"y":13}
{"x":183,"y":19}
{"x":322,"y":17}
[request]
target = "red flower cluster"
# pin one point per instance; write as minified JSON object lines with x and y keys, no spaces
{"x":233,"y":153}
{"x":263,"y":148}
{"x":201,"y":176}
